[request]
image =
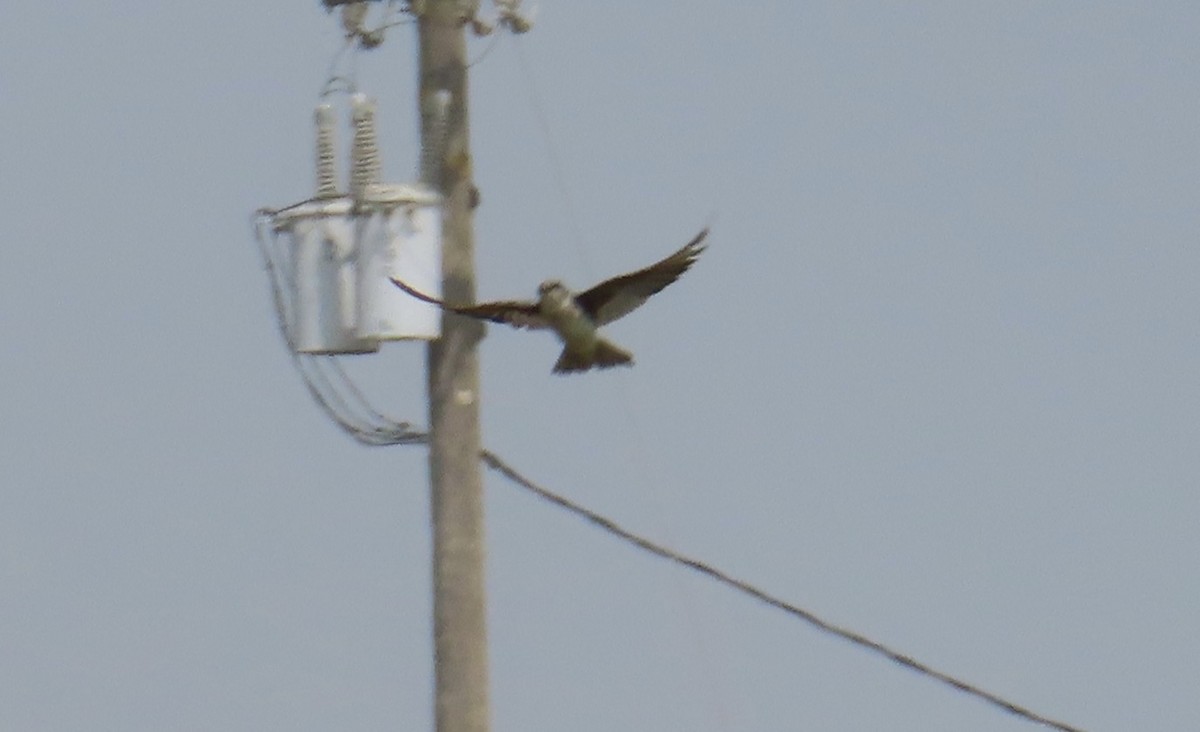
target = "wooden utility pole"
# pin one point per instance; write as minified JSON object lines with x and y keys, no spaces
{"x":459,"y":607}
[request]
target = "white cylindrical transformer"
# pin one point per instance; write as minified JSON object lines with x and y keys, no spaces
{"x":343,"y":249}
{"x":323,"y":279}
{"x":400,"y":236}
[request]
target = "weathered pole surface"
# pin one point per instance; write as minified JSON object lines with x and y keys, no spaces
{"x":459,"y":603}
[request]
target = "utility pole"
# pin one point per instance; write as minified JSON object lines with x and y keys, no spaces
{"x":456,"y":480}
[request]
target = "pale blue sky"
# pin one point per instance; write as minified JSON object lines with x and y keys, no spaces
{"x":935,"y":379}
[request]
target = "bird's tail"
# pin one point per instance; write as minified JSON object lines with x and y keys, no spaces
{"x":605,"y":356}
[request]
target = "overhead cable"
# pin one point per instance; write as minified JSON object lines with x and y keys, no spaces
{"x":494,"y":462}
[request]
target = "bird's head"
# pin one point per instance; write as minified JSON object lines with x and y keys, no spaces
{"x":553,"y":290}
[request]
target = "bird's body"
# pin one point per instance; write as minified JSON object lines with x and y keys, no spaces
{"x":576,"y":318}
{"x":583,"y":347}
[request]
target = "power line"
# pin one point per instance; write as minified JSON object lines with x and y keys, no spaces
{"x":494,"y":462}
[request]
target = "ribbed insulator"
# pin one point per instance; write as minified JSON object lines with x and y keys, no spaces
{"x":435,"y":108}
{"x":327,"y":185}
{"x":365,"y":167}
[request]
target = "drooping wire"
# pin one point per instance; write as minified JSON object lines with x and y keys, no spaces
{"x":315,"y":380}
{"x":324,"y":378}
{"x":494,"y":462}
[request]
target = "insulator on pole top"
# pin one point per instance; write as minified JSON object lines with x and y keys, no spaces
{"x":327,"y":184}
{"x":365,"y":167}
{"x":435,"y":107}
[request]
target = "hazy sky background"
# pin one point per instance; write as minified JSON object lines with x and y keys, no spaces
{"x":936,"y":378}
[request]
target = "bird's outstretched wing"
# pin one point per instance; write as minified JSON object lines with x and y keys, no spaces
{"x":619,"y":296}
{"x":510,"y":312}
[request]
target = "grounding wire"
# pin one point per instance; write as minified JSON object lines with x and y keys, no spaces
{"x":312,"y":377}
{"x":309,"y":367}
{"x":375,"y":429}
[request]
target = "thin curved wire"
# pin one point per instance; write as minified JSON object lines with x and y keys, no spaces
{"x":333,"y":79}
{"x":324,"y":378}
{"x":486,"y":50}
{"x":493,"y":461}
{"x":556,"y":165}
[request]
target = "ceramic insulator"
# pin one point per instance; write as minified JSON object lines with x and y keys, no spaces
{"x":364,"y":153}
{"x":327,"y":185}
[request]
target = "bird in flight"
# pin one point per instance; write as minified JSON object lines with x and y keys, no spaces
{"x":575,"y":317}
